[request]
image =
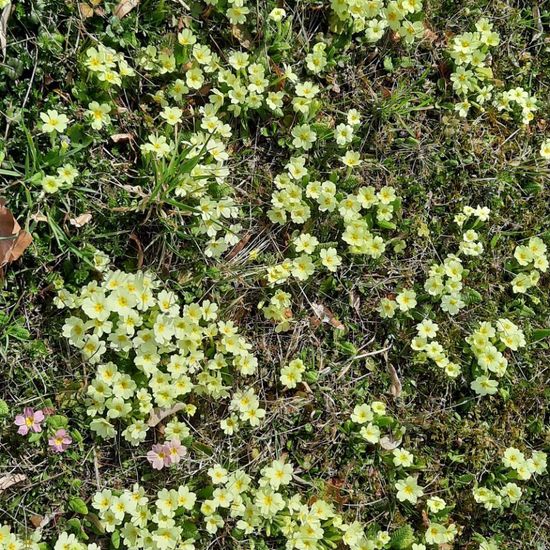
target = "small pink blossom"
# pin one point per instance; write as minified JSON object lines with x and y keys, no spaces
{"x":175,"y":450}
{"x":159,"y":456}
{"x":60,"y":441}
{"x":29,"y":420}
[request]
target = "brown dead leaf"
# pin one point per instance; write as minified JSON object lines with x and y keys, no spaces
{"x":396,"y":387}
{"x":158,"y":415}
{"x":135,"y":190}
{"x":389,"y":443}
{"x":85,"y":10}
{"x":425,"y":519}
{"x":238,"y":247}
{"x":431,"y":36}
{"x":355,"y":301}
{"x":36,"y":521}
{"x":11,"y":479}
{"x":39,"y":522}
{"x":13,"y":240}
{"x":118,"y":138}
{"x":39,"y":217}
{"x":326,"y":316}
{"x":335,"y":490}
{"x":133,"y":237}
{"x":4,"y":28}
{"x":124,"y":7}
{"x":81,"y":220}
{"x":242,"y":36}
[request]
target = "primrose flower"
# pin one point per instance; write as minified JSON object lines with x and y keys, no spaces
{"x":351,"y":159}
{"x":370,"y":432}
{"x":60,"y":441}
{"x":157,"y":145}
{"x":53,"y":121}
{"x":330,"y":259}
{"x":175,"y":450}
{"x":29,"y":421}
{"x":402,"y":457}
{"x":408,"y":489}
{"x":513,"y":458}
{"x":436,"y":534}
{"x":159,"y":456}
{"x":483,"y":385}
{"x":277,"y":14}
{"x":98,"y":114}
{"x":406,"y":300}
{"x":545,"y":149}
{"x":436,"y":504}
{"x":172,"y":115}
{"x":50,"y":184}
{"x":362,"y":413}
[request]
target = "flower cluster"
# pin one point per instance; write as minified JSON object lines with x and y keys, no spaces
{"x":445,"y":279}
{"x":437,"y":532}
{"x":375,"y":17}
{"x":196,"y":152}
{"x":265,"y":507}
{"x":107,"y":65}
{"x":291,"y":374}
{"x":404,"y":301}
{"x":161,"y":352}
{"x":316,"y":61}
{"x":472,"y":76}
{"x":143,"y":524}
{"x":487,"y":343}
{"x":278,"y":309}
{"x":65,"y":177}
{"x":32,"y":541}
{"x":426,"y":343}
{"x":374,"y":416}
{"x":519,"y":468}
{"x":166,"y":454}
{"x":533,"y":258}
{"x":295,"y":197}
{"x":30,"y":422}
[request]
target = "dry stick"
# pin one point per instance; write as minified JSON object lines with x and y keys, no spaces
{"x":362,"y":356}
{"x":96,"y":469}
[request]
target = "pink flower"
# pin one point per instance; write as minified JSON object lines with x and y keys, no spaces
{"x":60,"y":441}
{"x":175,"y":450}
{"x":29,"y":420}
{"x":159,"y":456}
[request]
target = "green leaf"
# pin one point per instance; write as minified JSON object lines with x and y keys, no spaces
{"x":473,"y":296}
{"x":4,"y":408}
{"x":385,"y":225}
{"x":34,"y":437}
{"x":18,"y":332}
{"x":384,"y":421}
{"x":78,"y":506}
{"x":466,"y":478}
{"x":540,"y":334}
{"x":57,"y":421}
{"x":402,"y":538}
{"x":189,"y":530}
{"x":115,"y":539}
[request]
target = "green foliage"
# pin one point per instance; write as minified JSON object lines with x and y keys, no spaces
{"x":362,"y":189}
